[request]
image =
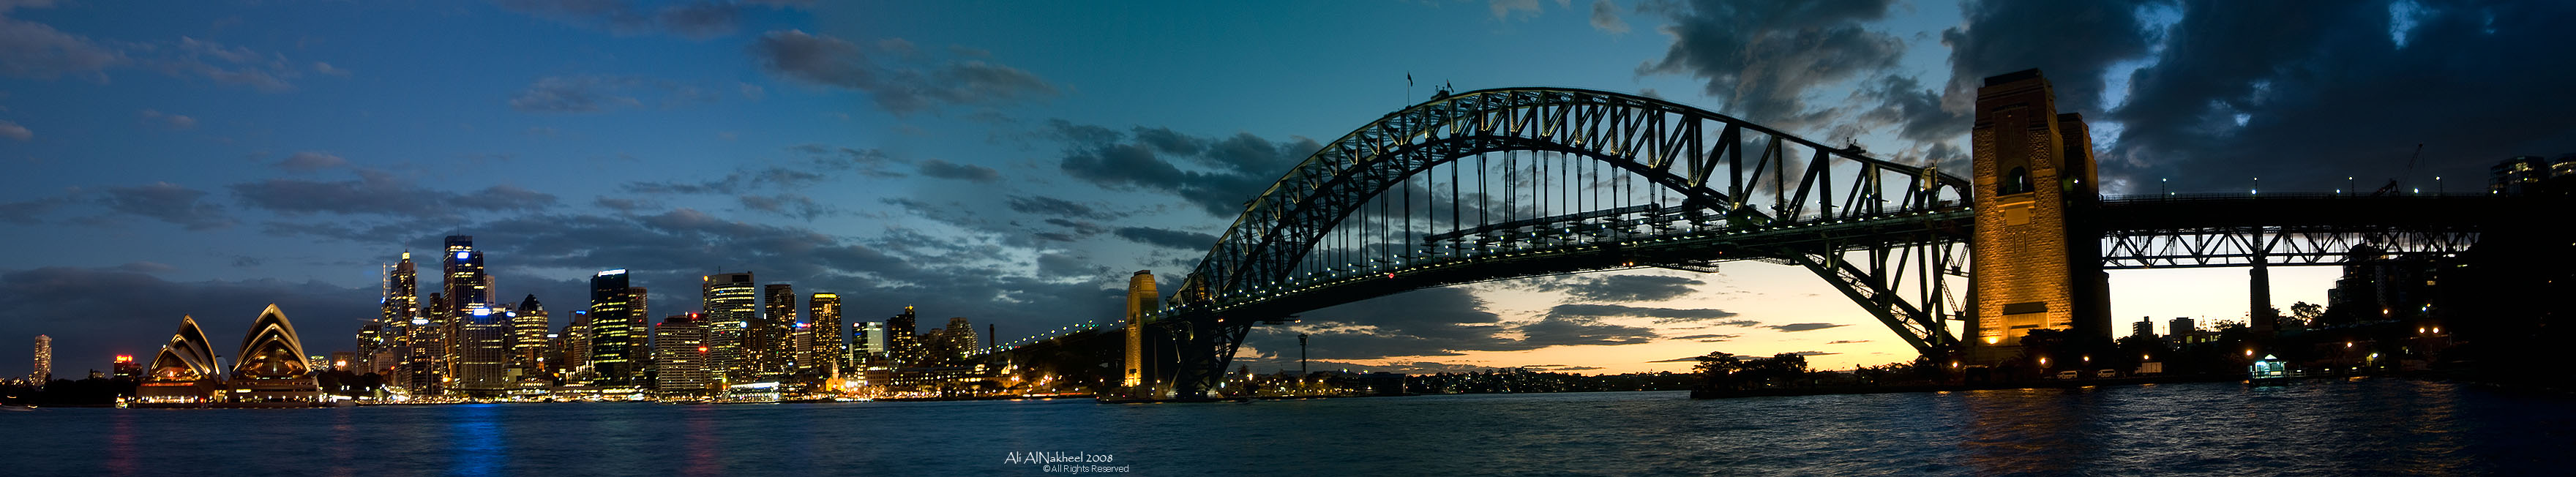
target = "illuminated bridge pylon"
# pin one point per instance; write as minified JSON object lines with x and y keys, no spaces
{"x":1523,"y":182}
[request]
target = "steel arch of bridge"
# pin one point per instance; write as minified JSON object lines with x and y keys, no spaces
{"x":1746,"y":192}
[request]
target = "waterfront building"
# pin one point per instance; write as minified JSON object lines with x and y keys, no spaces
{"x":528,"y":343}
{"x":680,"y":356}
{"x":828,"y":352}
{"x":400,"y":303}
{"x":44,"y":370}
{"x":272,"y":369}
{"x":125,"y":369}
{"x":371,"y":341}
{"x":903,"y":348}
{"x":2146,"y":326}
{"x":956,"y":341}
{"x":731,"y":309}
{"x":615,"y":334}
{"x":575,"y":351}
{"x":867,"y":344}
{"x":184,"y":371}
{"x":483,"y":357}
{"x":424,"y":370}
{"x":772,"y":341}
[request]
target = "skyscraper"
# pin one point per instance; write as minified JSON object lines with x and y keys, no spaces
{"x":867,"y":344}
{"x":373,"y":348}
{"x":44,"y":361}
{"x":576,"y":347}
{"x":528,"y":338}
{"x":479,"y":334}
{"x":773,"y":339}
{"x":958,"y":339}
{"x":903,"y":348}
{"x":680,"y":356}
{"x":828,"y":351}
{"x":613,"y":337}
{"x":378,"y":353}
{"x":731,"y":309}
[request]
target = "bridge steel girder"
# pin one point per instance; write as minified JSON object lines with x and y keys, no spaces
{"x":2298,"y":229}
{"x":1682,"y":149}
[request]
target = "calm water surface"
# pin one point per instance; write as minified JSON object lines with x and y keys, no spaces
{"x":2369,"y":427}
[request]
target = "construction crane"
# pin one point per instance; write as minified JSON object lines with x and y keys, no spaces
{"x":2391,"y":188}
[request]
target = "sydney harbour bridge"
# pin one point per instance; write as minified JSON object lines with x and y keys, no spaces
{"x":1522,"y":182}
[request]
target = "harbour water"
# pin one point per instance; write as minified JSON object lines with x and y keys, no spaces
{"x":2362,"y":427}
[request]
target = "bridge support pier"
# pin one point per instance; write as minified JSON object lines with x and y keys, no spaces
{"x":2260,"y":314}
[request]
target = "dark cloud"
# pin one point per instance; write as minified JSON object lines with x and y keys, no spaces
{"x":1846,"y":341}
{"x":789,"y":205}
{"x":1762,"y":58}
{"x":964,"y":172}
{"x":1685,"y":359}
{"x":1166,"y":238}
{"x":1436,"y":322}
{"x":1708,"y":338}
{"x":908,"y":83}
{"x":168,"y":202}
{"x":698,"y":19}
{"x":1575,"y":331}
{"x":595,"y":93}
{"x":1812,"y":353}
{"x":1709,"y":316}
{"x":1605,"y":17}
{"x":1054,"y":207}
{"x":1795,"y":327}
{"x":38,"y":51}
{"x":31,"y":212}
{"x":172,"y":121}
{"x":380,"y":193}
{"x":1225,"y":171}
{"x":309,"y":161}
{"x":2075,"y":42}
{"x":736,"y":182}
{"x":2237,"y":93}
{"x":1619,"y":288}
{"x":868,"y":162}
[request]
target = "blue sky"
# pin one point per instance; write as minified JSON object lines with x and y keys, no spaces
{"x":207,"y":158}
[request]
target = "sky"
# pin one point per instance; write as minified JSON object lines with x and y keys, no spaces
{"x":208,"y":158}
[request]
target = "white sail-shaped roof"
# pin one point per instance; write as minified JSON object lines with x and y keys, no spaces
{"x":271,"y":350}
{"x":186,"y":357}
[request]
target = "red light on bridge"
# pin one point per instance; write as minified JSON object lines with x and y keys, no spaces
{"x":125,"y":358}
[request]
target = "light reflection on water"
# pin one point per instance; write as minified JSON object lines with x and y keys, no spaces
{"x":2378,"y":426}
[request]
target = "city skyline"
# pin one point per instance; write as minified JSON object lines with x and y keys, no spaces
{"x":952,"y":162}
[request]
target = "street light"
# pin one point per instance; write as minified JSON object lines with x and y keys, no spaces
{"x":2160,"y":186}
{"x":2437,"y":185}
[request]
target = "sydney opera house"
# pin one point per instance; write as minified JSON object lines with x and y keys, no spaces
{"x":270,"y":370}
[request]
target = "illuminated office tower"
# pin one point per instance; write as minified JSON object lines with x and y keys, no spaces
{"x":575,"y":352}
{"x":680,"y":356}
{"x":426,"y":354}
{"x":401,"y":303}
{"x":614,"y":336}
{"x":868,"y":345}
{"x":800,"y":349}
{"x":903,"y":348}
{"x":484,"y":351}
{"x":731,"y":309}
{"x":958,"y":339}
{"x":828,"y":352}
{"x":371,"y":342}
{"x":528,"y":338}
{"x":773,"y":340}
{"x":44,"y":361}
{"x":1140,"y":302}
{"x":472,"y":341}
